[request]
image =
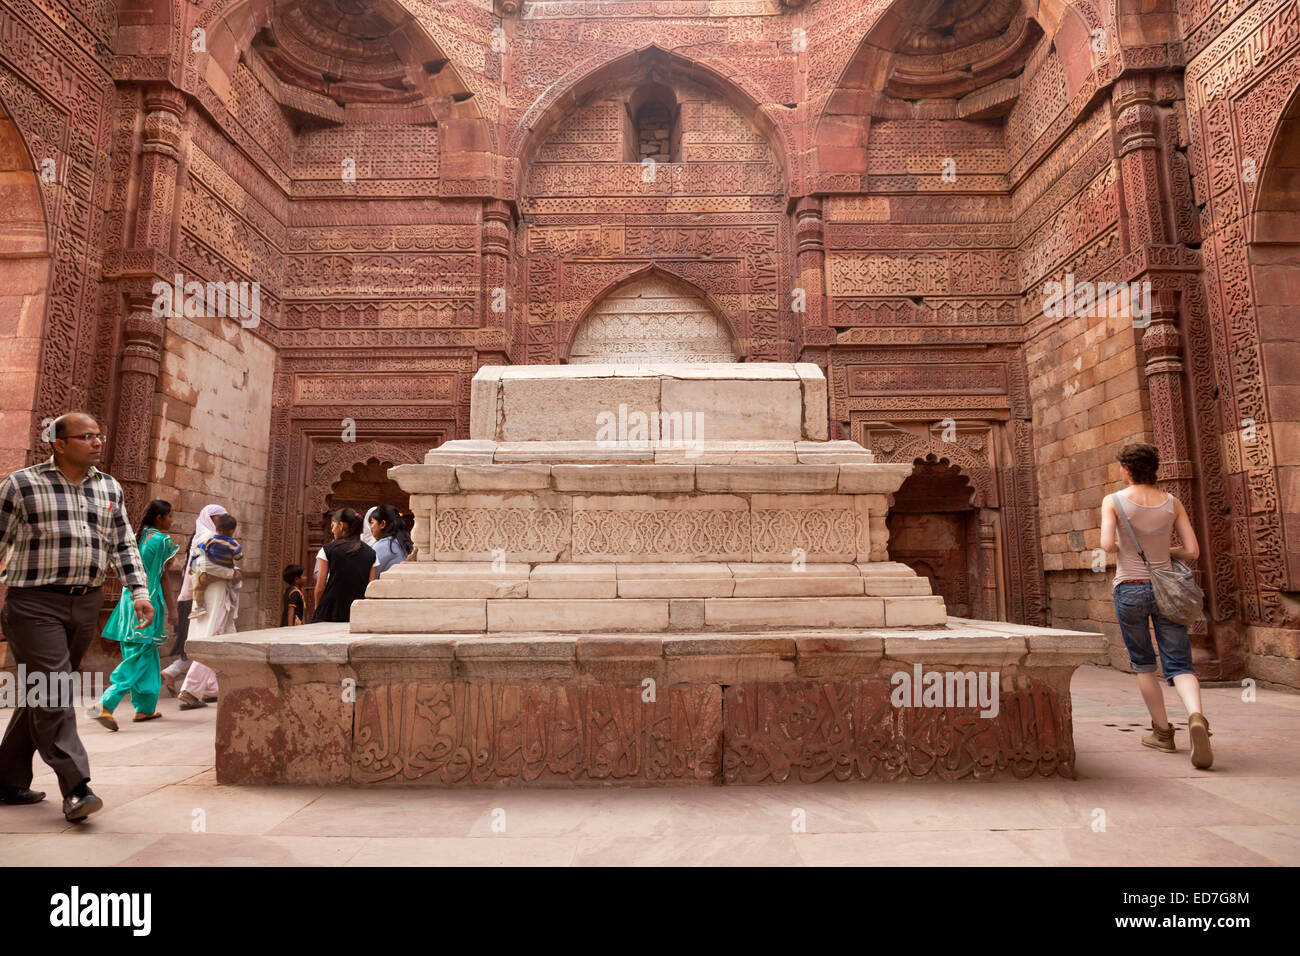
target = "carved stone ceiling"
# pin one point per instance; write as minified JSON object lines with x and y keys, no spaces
{"x":957,"y":46}
{"x":349,"y":51}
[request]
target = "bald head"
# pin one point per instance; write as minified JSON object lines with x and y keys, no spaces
{"x":73,"y":452}
{"x":73,"y":423}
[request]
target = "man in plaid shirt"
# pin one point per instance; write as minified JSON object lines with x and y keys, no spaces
{"x":65,"y":523}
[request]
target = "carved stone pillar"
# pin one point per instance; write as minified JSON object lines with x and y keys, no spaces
{"x":985,"y":597}
{"x":1166,"y":387}
{"x":813,"y":333}
{"x":1137,"y":131}
{"x":499,"y":311}
{"x":138,"y":379}
{"x":160,"y":152}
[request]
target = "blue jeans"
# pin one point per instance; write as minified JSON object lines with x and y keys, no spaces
{"x":1135,"y":603}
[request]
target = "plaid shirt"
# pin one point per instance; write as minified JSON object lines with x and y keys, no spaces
{"x":63,"y":533}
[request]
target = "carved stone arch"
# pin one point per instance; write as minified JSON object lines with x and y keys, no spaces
{"x":424,"y":86}
{"x":917,"y":449}
{"x":841,"y":128}
{"x":549,"y":109}
{"x":657,"y":274}
{"x":1266,"y":457}
{"x":25,"y":263}
{"x":332,"y":462}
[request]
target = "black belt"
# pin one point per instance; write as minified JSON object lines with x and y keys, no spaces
{"x":75,"y":589}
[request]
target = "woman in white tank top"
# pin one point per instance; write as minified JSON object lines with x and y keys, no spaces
{"x":1154,"y":515}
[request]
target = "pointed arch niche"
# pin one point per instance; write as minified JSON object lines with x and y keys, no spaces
{"x":651,"y":317}
{"x":652,"y":160}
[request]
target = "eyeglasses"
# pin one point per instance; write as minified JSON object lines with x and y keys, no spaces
{"x":100,"y":437}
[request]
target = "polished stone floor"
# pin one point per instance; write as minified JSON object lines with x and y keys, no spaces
{"x":164,"y":807}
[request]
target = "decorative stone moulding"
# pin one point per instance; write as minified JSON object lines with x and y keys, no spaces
{"x":596,"y":600}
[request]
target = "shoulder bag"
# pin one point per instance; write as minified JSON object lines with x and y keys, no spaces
{"x":1178,"y":597}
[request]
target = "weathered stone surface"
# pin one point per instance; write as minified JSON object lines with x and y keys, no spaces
{"x":460,"y":579}
{"x":738,"y":613}
{"x":536,"y":733}
{"x":502,"y":477}
{"x":846,"y":730}
{"x":635,"y":479}
{"x":785,"y":479}
{"x":738,"y":410}
{"x":572,"y":581}
{"x":704,"y":579}
{"x":555,"y":408}
{"x":813,"y":383}
{"x":577,"y":616}
{"x":439,"y":615}
{"x":535,"y":703}
{"x":796,"y":580}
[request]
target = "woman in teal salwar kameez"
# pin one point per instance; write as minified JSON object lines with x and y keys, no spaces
{"x":139,"y":674}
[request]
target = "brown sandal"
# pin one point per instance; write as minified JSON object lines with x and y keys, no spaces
{"x":107,"y":720}
{"x":140,"y":718}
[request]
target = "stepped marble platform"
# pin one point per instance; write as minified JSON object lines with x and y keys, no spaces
{"x":646,"y":575}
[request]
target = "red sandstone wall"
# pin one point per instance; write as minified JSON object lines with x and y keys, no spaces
{"x":802,"y":169}
{"x":1243,"y":69}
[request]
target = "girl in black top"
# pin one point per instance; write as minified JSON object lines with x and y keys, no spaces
{"x":348,"y":567}
{"x":292,"y":605}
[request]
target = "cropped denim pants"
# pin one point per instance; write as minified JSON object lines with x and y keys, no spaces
{"x":1135,"y":604}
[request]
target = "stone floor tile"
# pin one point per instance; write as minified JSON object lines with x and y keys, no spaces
{"x":495,"y":850}
{"x":232,"y":810}
{"x":690,"y":850}
{"x":376,"y":812}
{"x":770,"y":810}
{"x":940,"y":848}
{"x":970,"y":805}
{"x":1123,"y":846}
{"x":225,"y":849}
{"x":1184,"y":803}
{"x":604,"y":813}
{"x":78,"y":846}
{"x":1275,"y":797}
{"x":1278,"y":844}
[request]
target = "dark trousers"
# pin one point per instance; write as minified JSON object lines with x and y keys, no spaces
{"x":48,"y":633}
{"x":183,"y":609}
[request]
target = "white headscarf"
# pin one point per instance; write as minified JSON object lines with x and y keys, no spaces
{"x":204,"y":528}
{"x":366,"y":536}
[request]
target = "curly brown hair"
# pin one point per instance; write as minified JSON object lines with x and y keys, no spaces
{"x":1142,"y":461}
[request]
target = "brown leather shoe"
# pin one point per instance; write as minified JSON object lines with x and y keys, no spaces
{"x":188,"y":701}
{"x":1160,"y":739}
{"x":1199,"y":730}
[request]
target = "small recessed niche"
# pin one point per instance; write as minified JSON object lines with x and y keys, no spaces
{"x":653,"y":129}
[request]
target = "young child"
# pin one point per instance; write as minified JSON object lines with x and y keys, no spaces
{"x":219,"y":551}
{"x":292,"y":605}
